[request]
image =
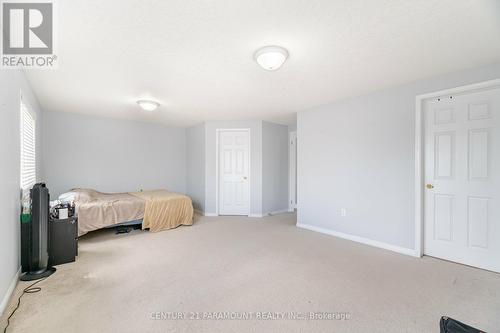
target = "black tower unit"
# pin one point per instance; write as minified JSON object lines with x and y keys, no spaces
{"x":38,"y":233}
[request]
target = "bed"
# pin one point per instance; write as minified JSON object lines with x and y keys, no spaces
{"x":158,"y":210}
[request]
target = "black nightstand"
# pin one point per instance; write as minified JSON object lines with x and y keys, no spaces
{"x":63,"y":240}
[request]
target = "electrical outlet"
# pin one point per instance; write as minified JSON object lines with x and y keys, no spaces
{"x":343,"y":212}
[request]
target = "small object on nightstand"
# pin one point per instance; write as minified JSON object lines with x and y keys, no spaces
{"x":63,"y":240}
{"x":63,"y":213}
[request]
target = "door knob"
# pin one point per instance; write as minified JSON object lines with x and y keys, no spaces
{"x":245,"y":178}
{"x":429,"y":186}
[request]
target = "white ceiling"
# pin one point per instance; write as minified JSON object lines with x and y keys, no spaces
{"x":195,"y":57}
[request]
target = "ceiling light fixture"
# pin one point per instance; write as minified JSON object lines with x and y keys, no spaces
{"x":271,"y":58}
{"x":148,"y":105}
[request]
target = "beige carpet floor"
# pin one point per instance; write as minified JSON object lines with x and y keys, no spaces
{"x":258,"y":268}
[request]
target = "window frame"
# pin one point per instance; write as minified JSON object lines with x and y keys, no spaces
{"x":26,"y":109}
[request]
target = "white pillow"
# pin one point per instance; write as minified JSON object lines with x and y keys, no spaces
{"x":67,"y":197}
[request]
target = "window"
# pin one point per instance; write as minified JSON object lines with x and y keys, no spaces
{"x":28,"y":151}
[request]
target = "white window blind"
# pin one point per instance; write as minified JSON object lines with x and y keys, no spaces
{"x":28,"y":151}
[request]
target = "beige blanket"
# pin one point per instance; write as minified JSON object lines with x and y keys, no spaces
{"x":165,"y":210}
{"x":98,"y":210}
{"x":160,"y":209}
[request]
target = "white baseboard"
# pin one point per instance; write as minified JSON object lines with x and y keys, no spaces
{"x":269,"y":213}
{"x":281,"y":211}
{"x":200,"y":212}
{"x":8,"y":294}
{"x":211,"y":214}
{"x":249,"y":215}
{"x":215,"y":214}
{"x":366,"y":241}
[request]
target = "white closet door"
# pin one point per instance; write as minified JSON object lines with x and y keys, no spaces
{"x":234,"y":146}
{"x":462,"y":176}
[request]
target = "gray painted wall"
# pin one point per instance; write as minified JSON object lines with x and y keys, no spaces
{"x":358,"y":154}
{"x":274,"y":167}
{"x":255,"y":165}
{"x":195,"y":182}
{"x":112,"y":155}
{"x":12,"y":82}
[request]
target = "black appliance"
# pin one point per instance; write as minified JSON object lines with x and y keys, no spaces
{"x":35,"y":236}
{"x":63,"y":240}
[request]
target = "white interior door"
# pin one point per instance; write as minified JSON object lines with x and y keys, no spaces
{"x":292,"y":202}
{"x":462,"y":176}
{"x":234,"y":185}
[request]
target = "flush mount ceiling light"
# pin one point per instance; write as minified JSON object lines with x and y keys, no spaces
{"x":271,"y":58}
{"x":148,"y":105}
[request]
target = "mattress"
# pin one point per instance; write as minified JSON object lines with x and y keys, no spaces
{"x":157,"y":210}
{"x":97,"y":210}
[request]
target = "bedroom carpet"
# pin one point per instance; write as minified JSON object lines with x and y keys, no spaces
{"x":266,"y":272}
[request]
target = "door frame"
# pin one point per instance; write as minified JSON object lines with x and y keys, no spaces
{"x":419,"y":152}
{"x":217,"y":171}
{"x":292,"y":182}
